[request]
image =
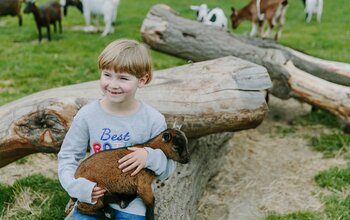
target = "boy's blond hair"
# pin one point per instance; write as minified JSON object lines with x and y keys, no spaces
{"x":126,"y":56}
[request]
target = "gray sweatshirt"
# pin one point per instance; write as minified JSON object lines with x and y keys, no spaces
{"x":100,"y":130}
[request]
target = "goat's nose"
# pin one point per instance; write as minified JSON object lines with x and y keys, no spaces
{"x":185,"y":159}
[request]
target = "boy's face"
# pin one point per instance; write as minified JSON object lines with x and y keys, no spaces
{"x":120,"y":87}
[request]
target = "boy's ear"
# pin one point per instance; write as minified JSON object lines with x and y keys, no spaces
{"x":143,"y":80}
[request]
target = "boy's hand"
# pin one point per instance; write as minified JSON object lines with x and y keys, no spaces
{"x":97,"y":193}
{"x":137,"y":159}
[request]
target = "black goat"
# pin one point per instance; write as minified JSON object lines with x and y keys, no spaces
{"x":45,"y":15}
{"x":11,"y":7}
{"x":66,"y":3}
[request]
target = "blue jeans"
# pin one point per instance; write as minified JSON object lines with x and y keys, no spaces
{"x":118,"y":216}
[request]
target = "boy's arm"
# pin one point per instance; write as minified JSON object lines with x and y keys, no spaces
{"x":73,"y":149}
{"x":159,"y":163}
{"x":156,"y":160}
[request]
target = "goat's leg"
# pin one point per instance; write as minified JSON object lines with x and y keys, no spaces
{"x":95,"y":210}
{"x":20,"y":21}
{"x":54,"y":27}
{"x":108,"y":25}
{"x":48,"y":32}
{"x":146,"y":194}
{"x":150,"y":212}
{"x":319,"y":10}
{"x":39,"y":32}
{"x":308,"y":17}
{"x":270,"y":27}
{"x":115,"y":12}
{"x":87,"y":17}
{"x":253,"y":31}
{"x":262,"y":25}
{"x":319,"y":17}
{"x":281,"y":21}
{"x":60,"y":25}
{"x":108,"y":16}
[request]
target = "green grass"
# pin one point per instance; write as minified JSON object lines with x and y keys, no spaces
{"x":27,"y":67}
{"x":6,"y":195}
{"x":49,"y":198}
{"x":331,"y":143}
{"x":334,"y":178}
{"x":318,"y":116}
{"x":295,"y":216}
{"x":337,"y":207}
{"x":282,"y":132}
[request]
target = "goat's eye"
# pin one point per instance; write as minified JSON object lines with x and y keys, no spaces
{"x":166,"y":137}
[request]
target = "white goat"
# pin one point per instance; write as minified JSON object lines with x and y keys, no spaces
{"x":107,"y":8}
{"x":215,"y":17}
{"x":313,"y":7}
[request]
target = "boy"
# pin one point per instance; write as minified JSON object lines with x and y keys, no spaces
{"x":116,"y":120}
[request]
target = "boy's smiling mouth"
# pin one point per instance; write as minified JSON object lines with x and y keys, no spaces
{"x":114,"y":93}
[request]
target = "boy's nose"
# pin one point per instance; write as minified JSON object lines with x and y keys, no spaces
{"x":114,"y":84}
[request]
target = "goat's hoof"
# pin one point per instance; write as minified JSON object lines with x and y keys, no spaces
{"x":90,"y":29}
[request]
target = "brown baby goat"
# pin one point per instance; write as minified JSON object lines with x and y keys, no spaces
{"x":102,"y":168}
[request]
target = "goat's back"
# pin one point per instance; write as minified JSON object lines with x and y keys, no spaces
{"x":102,"y":168}
{"x":52,"y":10}
{"x":10,"y":7}
{"x":100,"y":6}
{"x":270,"y":5}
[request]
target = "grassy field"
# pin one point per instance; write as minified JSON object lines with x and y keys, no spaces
{"x":27,"y":66}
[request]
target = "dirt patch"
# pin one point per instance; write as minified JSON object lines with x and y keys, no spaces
{"x":45,"y":164}
{"x":270,"y":168}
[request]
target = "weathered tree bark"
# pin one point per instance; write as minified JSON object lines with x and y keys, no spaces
{"x":209,"y":97}
{"x":324,"y":84}
{"x":178,"y":197}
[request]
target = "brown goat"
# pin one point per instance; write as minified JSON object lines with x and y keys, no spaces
{"x":45,"y":15}
{"x":102,"y":168}
{"x":11,"y":7}
{"x":258,"y":12}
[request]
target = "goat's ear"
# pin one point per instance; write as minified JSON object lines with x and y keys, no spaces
{"x":194,"y":7}
{"x":166,"y":137}
{"x":178,"y":123}
{"x":233,"y":9}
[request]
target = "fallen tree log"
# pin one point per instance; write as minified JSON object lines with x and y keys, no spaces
{"x":331,"y":71}
{"x":293,"y":74}
{"x":209,"y":97}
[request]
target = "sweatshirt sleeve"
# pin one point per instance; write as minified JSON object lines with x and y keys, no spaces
{"x":156,"y":160}
{"x":73,"y":149}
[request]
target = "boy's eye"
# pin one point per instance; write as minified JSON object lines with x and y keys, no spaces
{"x":106,"y":74}
{"x":124,"y":78}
